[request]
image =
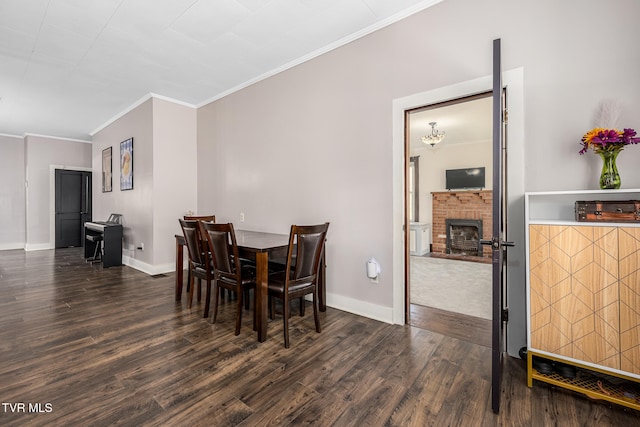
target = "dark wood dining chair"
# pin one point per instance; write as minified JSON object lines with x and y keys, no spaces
{"x":210,"y":218}
{"x":229,"y":271}
{"x":197,"y":218}
{"x":200,"y":266}
{"x":299,"y":278}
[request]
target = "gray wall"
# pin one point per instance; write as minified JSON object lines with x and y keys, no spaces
{"x":42,"y":155}
{"x":12,"y":194}
{"x":164,"y":179}
{"x":319,"y":144}
{"x":27,"y":192}
{"x":135,"y":205}
{"x":175,"y":178}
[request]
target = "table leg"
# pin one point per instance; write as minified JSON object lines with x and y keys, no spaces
{"x":179,"y":272}
{"x":262,"y":297}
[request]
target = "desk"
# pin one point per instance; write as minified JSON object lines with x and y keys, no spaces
{"x":259,"y":246}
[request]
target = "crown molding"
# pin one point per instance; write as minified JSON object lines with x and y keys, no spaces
{"x":8,"y":135}
{"x":60,"y":138}
{"x":328,"y":48}
{"x":135,"y":105}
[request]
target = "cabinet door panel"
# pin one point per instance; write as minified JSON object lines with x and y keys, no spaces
{"x":574,"y":275}
{"x":629,"y":248}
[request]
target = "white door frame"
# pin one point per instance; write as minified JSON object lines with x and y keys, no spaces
{"x":514,"y":81}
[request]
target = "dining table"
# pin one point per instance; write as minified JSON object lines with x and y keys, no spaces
{"x":259,"y":246}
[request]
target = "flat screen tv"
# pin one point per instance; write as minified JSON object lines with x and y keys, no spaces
{"x":464,"y":179}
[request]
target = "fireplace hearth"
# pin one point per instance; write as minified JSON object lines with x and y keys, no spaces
{"x":463,"y":237}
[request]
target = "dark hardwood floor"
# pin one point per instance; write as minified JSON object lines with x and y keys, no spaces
{"x":467,"y":328}
{"x":86,"y":346}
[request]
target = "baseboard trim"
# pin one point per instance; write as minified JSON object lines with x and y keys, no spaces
{"x":361,"y":308}
{"x":149,"y":269}
{"x":37,"y":246}
{"x":10,"y":246}
{"x":339,"y":302}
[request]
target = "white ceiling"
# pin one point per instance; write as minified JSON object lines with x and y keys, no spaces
{"x":69,"y":66}
{"x":463,"y":122}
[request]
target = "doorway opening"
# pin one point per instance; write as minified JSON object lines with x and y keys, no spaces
{"x":513,"y":80}
{"x":441,"y":282}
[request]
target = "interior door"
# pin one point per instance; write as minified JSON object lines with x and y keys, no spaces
{"x":72,"y":206}
{"x":497,"y":242}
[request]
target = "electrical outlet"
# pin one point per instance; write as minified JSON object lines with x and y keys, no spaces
{"x":241,"y":216}
{"x":141,"y":247}
{"x":375,"y":280}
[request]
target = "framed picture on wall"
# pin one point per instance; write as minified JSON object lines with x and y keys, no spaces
{"x":107,"y":168}
{"x":126,"y":164}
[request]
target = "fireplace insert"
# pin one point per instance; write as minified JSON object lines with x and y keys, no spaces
{"x":463,"y":236}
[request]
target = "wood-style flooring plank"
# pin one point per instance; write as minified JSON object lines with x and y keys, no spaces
{"x":113,"y":347}
{"x":467,"y":328}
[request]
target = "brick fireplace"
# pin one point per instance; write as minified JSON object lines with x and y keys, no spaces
{"x":465,"y":210}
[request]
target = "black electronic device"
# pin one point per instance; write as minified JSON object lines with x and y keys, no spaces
{"x":465,"y":179}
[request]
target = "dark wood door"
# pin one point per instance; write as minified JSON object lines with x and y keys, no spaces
{"x":73,"y":206}
{"x":497,"y":242}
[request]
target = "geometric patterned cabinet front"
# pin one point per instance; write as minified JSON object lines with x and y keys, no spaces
{"x":583,"y":296}
{"x":629,"y":254}
{"x":575,"y":298}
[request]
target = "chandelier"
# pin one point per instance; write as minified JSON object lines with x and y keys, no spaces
{"x":435,"y":136}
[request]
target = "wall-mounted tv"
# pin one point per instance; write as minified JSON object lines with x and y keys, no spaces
{"x":464,"y":179}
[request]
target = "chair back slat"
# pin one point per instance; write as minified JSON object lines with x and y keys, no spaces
{"x":220,"y":250}
{"x":307,"y":242}
{"x":193,"y":241}
{"x":221,"y":240}
{"x":208,"y":218}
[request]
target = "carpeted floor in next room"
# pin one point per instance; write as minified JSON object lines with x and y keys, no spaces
{"x":451,"y":285}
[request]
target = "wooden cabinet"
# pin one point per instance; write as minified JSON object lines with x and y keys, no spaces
{"x":583,"y":287}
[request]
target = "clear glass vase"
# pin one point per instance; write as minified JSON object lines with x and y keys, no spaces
{"x":609,"y":177}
